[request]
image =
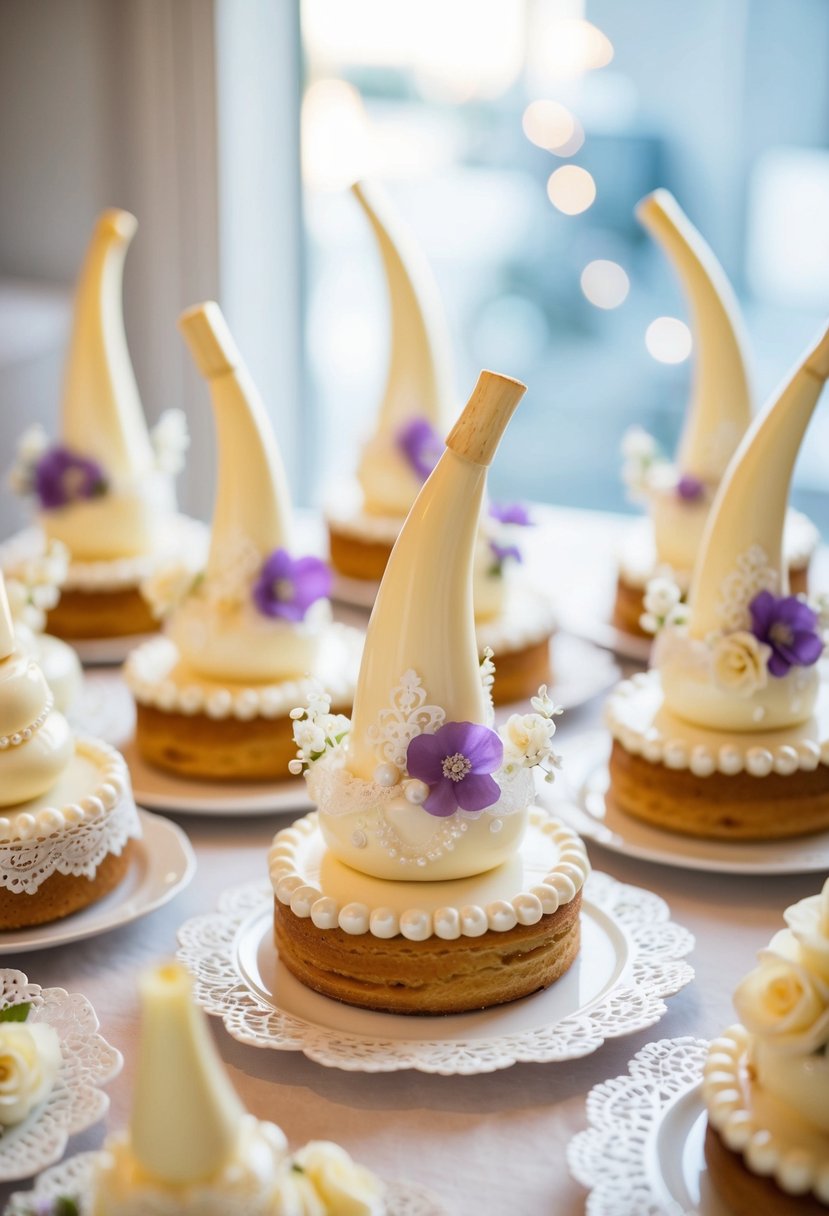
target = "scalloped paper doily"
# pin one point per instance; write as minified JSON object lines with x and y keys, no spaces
{"x":76,"y":1100}
{"x":72,"y":1178}
{"x":632,"y":957}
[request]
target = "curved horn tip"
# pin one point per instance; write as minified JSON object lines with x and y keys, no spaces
{"x":118,"y":223}
{"x":657,"y":204}
{"x":818,"y":361}
{"x":209,"y":339}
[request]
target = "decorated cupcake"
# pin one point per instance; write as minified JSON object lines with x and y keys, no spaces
{"x":427,"y":882}
{"x":250,"y":634}
{"x":728,"y":734}
{"x":513,"y":618}
{"x":105,"y":488}
{"x":766,"y":1080}
{"x":679,"y":493}
{"x":67,"y":817}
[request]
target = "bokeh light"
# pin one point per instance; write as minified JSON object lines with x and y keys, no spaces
{"x":571,"y":189}
{"x":605,"y":283}
{"x":335,"y":135}
{"x":566,"y":48}
{"x":669,"y":340}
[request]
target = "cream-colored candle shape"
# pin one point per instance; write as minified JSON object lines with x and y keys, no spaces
{"x":252,"y":491}
{"x":101,"y":414}
{"x":419,"y":381}
{"x":743,"y":541}
{"x":720,"y":407}
{"x":186,"y":1116}
{"x":423,"y":617}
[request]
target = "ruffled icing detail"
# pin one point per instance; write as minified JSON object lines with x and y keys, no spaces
{"x":74,"y":838}
{"x":305,"y":897}
{"x":797,"y":1168}
{"x":155,"y":678}
{"x":637,"y":719}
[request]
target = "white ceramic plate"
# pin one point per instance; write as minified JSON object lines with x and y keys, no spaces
{"x":76,"y":1100}
{"x":73,"y":1178}
{"x":580,"y":671}
{"x":163,"y":864}
{"x":643,"y":1150}
{"x":105,"y":708}
{"x":585,"y":779}
{"x":165,"y":792}
{"x":629,"y":961}
{"x":108,"y":652}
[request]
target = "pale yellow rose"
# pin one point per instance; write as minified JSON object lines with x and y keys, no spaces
{"x":740,"y":662}
{"x":527,"y":738}
{"x":294,"y":1194}
{"x":785,"y":1006}
{"x":347,"y":1189}
{"x":29,"y":1062}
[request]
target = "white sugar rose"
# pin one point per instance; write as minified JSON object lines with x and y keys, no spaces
{"x":661,"y":596}
{"x":784,"y":1005}
{"x":739,"y":663}
{"x":29,"y":1062}
{"x":527,"y":738}
{"x":346,"y":1188}
{"x":166,"y":587}
{"x":294,"y":1194}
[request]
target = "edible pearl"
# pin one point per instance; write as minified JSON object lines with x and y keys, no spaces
{"x":359,"y":840}
{"x":387,"y":775}
{"x":496,"y":825}
{"x":416,"y":792}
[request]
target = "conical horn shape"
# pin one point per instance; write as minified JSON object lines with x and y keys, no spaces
{"x":419,"y":379}
{"x":423,"y":617}
{"x":750,"y":508}
{"x":252,"y":489}
{"x":7,"y":635}
{"x":101,"y":413}
{"x":720,"y":407}
{"x":186,"y":1114}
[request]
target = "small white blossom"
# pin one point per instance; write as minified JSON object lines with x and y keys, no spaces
{"x":170,"y":440}
{"x":543,"y":704}
{"x":527,"y":742}
{"x":637,"y":444}
{"x":309,"y":737}
{"x":661,"y":596}
{"x":32,"y":444}
{"x":316,"y":730}
{"x":167,"y":586}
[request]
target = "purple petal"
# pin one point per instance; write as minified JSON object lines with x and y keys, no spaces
{"x":796,"y":614}
{"x":277,"y":565}
{"x":421,"y":445}
{"x":807,"y":648}
{"x":778,"y":665}
{"x":763,"y":613}
{"x":510,"y":513}
{"x":443,"y":799}
{"x":502,"y":552}
{"x":312,"y":581}
{"x":476,"y":792}
{"x":425,"y":757}
{"x":484,"y":750}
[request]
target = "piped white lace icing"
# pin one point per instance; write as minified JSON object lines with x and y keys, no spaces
{"x":72,"y":839}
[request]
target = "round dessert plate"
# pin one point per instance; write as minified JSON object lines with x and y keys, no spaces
{"x":164,"y":864}
{"x":105,"y":708}
{"x":580,"y":671}
{"x":73,"y":1179}
{"x":166,"y":792}
{"x":643,"y":1151}
{"x":602,"y":633}
{"x":76,"y":1100}
{"x":584,"y":808}
{"x":108,"y":652}
{"x":632,"y":956}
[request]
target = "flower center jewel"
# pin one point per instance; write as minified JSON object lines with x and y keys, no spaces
{"x":781,"y":634}
{"x":283,"y":589}
{"x":456,"y":767}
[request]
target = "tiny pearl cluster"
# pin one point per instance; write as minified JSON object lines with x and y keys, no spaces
{"x":305,"y":898}
{"x":25,"y":733}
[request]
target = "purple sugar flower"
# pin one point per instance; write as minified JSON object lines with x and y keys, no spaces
{"x":456,"y":763}
{"x":421,"y":445}
{"x":511,"y":513}
{"x":690,"y":488}
{"x":61,"y":477}
{"x":789,"y":627}
{"x":287,"y":586}
{"x":500,"y":553}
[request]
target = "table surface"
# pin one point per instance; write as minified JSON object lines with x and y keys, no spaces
{"x":489,"y":1145}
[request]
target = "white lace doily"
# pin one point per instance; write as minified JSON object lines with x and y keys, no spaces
{"x":72,"y":1178}
{"x":76,"y":1101}
{"x":615,"y":1158}
{"x":229,"y":953}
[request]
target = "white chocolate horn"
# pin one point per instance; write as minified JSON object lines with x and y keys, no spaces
{"x":101,"y":413}
{"x":720,"y":407}
{"x":423,"y":617}
{"x":750,"y":508}
{"x":252,"y":498}
{"x":185,"y":1115}
{"x":7,"y":637}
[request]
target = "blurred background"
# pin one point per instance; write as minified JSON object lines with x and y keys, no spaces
{"x":515,"y":137}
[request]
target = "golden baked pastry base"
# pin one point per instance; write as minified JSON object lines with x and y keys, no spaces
{"x":720,"y":807}
{"x":357,"y":558}
{"x":744,"y":1191}
{"x":62,"y":894}
{"x":518,"y":673}
{"x":100,"y":614}
{"x":396,"y":975}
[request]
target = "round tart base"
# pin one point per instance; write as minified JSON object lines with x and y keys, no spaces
{"x":719,"y":807}
{"x":744,"y":1191}
{"x":428,"y":947}
{"x":62,"y":894}
{"x":120,"y":612}
{"x":357,"y":558}
{"x":217,"y":749}
{"x":518,"y":673}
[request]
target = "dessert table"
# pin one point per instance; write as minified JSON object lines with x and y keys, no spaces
{"x":487,"y":1144}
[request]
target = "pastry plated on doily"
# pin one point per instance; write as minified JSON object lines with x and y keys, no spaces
{"x":247,"y":637}
{"x":513,"y":617}
{"x":679,"y":494}
{"x":426,"y":881}
{"x":727,"y":736}
{"x":766,"y":1080}
{"x":105,"y":489}
{"x":67,"y":817}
